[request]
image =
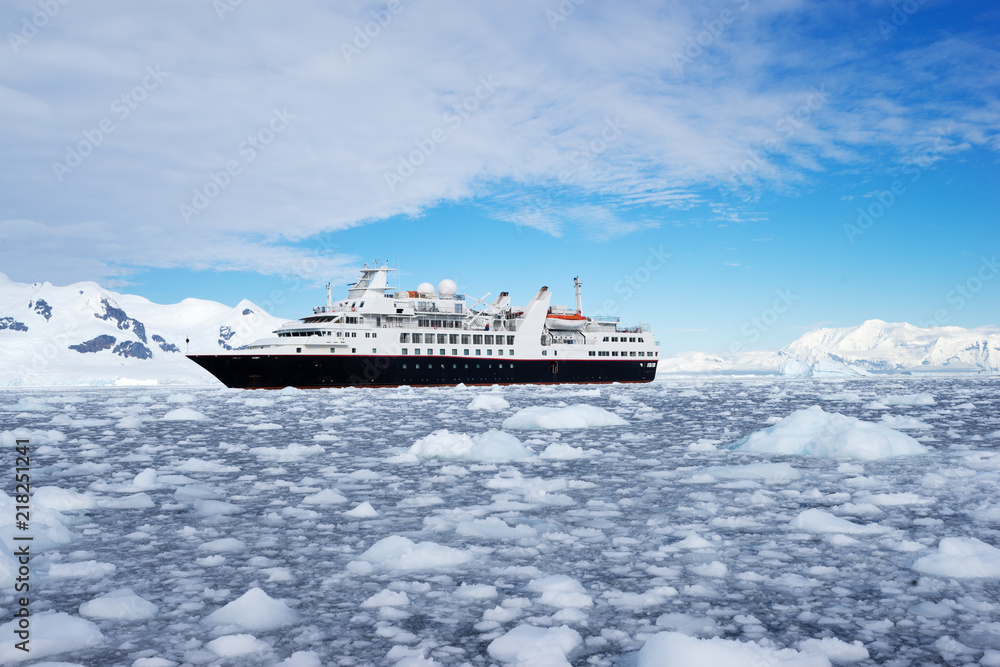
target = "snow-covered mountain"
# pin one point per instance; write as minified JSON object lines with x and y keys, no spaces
{"x":83,"y":334}
{"x":873,"y":346}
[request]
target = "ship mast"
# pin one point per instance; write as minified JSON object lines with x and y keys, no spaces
{"x":579,"y":300}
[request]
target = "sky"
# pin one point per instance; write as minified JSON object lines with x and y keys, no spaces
{"x":732,"y":173}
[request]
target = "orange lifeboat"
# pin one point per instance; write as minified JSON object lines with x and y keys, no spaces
{"x":571,"y":322}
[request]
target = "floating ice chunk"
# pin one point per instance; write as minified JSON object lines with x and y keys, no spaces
{"x":813,"y":432}
{"x":699,"y":626}
{"x":563,"y":452}
{"x":52,"y":633}
{"x":399,"y":553}
{"x":818,"y":521}
{"x":490,"y":446}
{"x":89,"y":569}
{"x":769,"y":472}
{"x":636,"y":601}
{"x":224,"y":544}
{"x":324,"y":497}
{"x":902,"y":498}
{"x":290,"y":454}
{"x":560,"y":590}
{"x":232,"y":646}
{"x":531,"y":646}
{"x":198,"y":465}
{"x":387,"y":598}
{"x":362,"y":511}
{"x":846,"y":397}
{"x":571,"y":417}
{"x":491,"y":402}
{"x":62,"y":500}
{"x":673,"y":648}
{"x":302,"y":659}
{"x":136,"y":501}
{"x":908,"y":399}
{"x":961,"y":558}
{"x":475,"y":591}
{"x":120,"y":605}
{"x":904,"y":421}
{"x":183,"y":414}
{"x":217,"y":508}
{"x":838,"y":651}
{"x":692,"y":541}
{"x":714,"y":569}
{"x":266,"y":426}
{"x":255,"y":610}
{"x":494,"y":528}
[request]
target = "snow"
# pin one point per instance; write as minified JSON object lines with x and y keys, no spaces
{"x":176,"y":535}
{"x":813,"y":432}
{"x":570,"y":417}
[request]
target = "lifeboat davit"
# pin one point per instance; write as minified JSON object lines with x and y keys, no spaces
{"x":573,"y":322}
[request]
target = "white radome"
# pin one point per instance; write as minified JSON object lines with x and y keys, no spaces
{"x":447,"y":288}
{"x":425,"y":289}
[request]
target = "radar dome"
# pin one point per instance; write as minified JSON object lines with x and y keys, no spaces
{"x":447,"y":288}
{"x":425,"y":288}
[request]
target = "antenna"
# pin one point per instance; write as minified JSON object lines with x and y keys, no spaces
{"x":329,"y":297}
{"x":579,"y":300}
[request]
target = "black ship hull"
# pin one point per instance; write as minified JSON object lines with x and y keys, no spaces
{"x":261,"y":371}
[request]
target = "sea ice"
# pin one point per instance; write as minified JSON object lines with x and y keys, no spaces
{"x":813,"y":432}
{"x":491,"y":402}
{"x":961,"y":558}
{"x":531,"y":646}
{"x":399,"y":553}
{"x":667,"y":649}
{"x":490,"y":446}
{"x":818,"y":521}
{"x":121,"y":605}
{"x":52,"y":633}
{"x":255,"y":610}
{"x":571,"y":417}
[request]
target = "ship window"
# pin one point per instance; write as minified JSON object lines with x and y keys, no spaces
{"x":489,"y":352}
{"x":453,"y":339}
{"x":454,"y":352}
{"x":631,"y":354}
{"x":466,"y":365}
{"x":614,"y":339}
{"x":362,"y":304}
{"x":592,"y":353}
{"x":615,"y":353}
{"x":479,"y":353}
{"x":332,"y":350}
{"x":545,"y":353}
{"x":354,"y":350}
{"x":555,"y":353}
{"x":477,"y":339}
{"x":442,"y":352}
{"x":298,"y":349}
{"x":374,"y":350}
{"x":510,"y":352}
{"x":510,"y":340}
{"x":465,"y":352}
{"x":605,"y":339}
{"x":454,"y":366}
{"x":416,"y":365}
{"x":500,"y":352}
{"x":399,"y":311}
{"x":640,"y":339}
{"x":642,"y":354}
{"x":404,"y":365}
{"x":489,"y":340}
{"x":418,"y":338}
{"x":465,"y":339}
{"x":404,"y":350}
{"x":477,"y":365}
{"x":416,"y":350}
{"x":404,"y":338}
{"x":441,"y":339}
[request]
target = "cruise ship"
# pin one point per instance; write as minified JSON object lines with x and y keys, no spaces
{"x":384,"y":337}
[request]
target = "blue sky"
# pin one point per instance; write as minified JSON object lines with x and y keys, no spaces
{"x":734,"y":173}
